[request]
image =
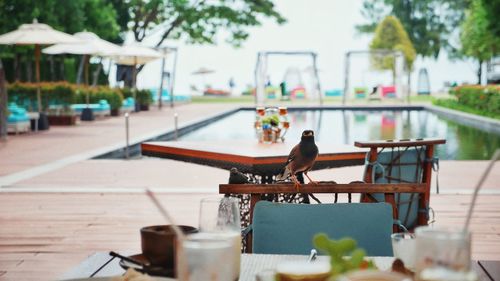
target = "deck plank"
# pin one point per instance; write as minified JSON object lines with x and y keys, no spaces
{"x":46,"y":234}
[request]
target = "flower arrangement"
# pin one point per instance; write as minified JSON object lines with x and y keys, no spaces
{"x":271,"y":124}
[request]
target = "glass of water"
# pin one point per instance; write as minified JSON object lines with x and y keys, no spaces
{"x":220,"y":218}
{"x":443,"y":254}
{"x":203,"y":257}
{"x":403,"y":248}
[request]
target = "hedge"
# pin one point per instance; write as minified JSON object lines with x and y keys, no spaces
{"x":61,"y":93}
{"x":52,"y":93}
{"x":482,"y":98}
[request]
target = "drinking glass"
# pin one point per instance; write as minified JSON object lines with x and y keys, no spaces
{"x":403,"y":248}
{"x":204,"y":257}
{"x":442,"y":254}
{"x":220,"y":217}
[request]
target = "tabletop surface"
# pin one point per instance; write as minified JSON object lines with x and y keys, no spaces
{"x":251,"y":156}
{"x":252,"y":149}
{"x":251,"y":264}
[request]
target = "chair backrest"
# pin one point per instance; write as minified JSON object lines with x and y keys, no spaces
{"x":281,"y":228}
{"x":402,"y":161}
{"x":400,"y":166}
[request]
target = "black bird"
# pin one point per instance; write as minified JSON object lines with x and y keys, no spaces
{"x":237,"y":177}
{"x":301,"y":159}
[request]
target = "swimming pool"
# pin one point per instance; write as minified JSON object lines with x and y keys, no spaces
{"x":347,"y":126}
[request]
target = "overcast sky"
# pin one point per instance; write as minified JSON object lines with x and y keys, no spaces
{"x":323,"y":26}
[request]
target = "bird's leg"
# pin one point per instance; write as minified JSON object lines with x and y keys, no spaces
{"x":310,"y":180}
{"x":295,"y":181}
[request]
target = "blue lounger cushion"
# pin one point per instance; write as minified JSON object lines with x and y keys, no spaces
{"x":281,"y":228}
{"x":103,"y":105}
{"x":17,"y":114}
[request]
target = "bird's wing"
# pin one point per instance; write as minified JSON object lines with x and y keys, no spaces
{"x":286,"y":171}
{"x":293,"y":154}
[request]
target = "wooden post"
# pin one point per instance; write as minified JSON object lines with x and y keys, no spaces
{"x":254,"y":198}
{"x":172,"y":79}
{"x":3,"y":104}
{"x":424,"y":199}
{"x":86,"y":59}
{"x":368,"y":175}
{"x":134,"y":87}
{"x":346,"y":78}
{"x":37,"y":77}
{"x":318,"y":85}
{"x":160,"y":90}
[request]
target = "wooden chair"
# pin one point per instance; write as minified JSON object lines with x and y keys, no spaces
{"x":397,"y":172}
{"x":402,"y":161}
{"x":259,"y":192}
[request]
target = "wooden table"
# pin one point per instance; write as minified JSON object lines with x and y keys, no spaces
{"x":251,"y":264}
{"x":250,"y":156}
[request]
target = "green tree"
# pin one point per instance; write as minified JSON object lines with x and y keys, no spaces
{"x":197,"y":21}
{"x":430,"y":23}
{"x":492,"y":10}
{"x":478,"y":41}
{"x":97,"y":16}
{"x":390,"y":35}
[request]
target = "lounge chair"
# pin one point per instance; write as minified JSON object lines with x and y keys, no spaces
{"x":99,"y":109}
{"x":18,"y":120}
{"x":128,"y":105}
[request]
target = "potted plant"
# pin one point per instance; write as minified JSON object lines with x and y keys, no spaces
{"x":61,"y":115}
{"x":144,"y":99}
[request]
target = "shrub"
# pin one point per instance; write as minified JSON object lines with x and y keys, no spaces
{"x":62,"y":93}
{"x":143,"y":97}
{"x":52,"y":93}
{"x":483,"y":98}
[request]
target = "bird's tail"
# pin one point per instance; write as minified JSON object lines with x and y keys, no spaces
{"x":284,"y":174}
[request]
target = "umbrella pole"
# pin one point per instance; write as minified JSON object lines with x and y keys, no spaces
{"x":37,"y":77}
{"x":86,"y":59}
{"x":134,"y":81}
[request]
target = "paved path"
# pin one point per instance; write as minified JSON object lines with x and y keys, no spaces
{"x":28,"y":155}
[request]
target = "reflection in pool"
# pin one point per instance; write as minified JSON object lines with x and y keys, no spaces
{"x":347,"y":126}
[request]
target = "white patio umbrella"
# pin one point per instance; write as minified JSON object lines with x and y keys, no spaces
{"x":134,"y":54}
{"x":37,"y":34}
{"x":91,"y":45}
{"x":203,"y":71}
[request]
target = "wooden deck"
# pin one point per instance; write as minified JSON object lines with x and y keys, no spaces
{"x":43,"y":235}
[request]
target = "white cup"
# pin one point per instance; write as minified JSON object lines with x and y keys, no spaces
{"x":403,"y":248}
{"x":205,"y":257}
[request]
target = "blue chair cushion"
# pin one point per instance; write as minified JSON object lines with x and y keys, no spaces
{"x":281,"y":228}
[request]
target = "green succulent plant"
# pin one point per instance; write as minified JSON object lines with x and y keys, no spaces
{"x":344,"y":254}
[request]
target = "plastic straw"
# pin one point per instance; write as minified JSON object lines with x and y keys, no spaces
{"x":180,"y":235}
{"x":486,"y":172}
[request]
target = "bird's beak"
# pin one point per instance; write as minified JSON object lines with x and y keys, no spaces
{"x":307,"y":134}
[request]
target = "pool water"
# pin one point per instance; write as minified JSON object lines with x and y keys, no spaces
{"x":348,"y":126}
